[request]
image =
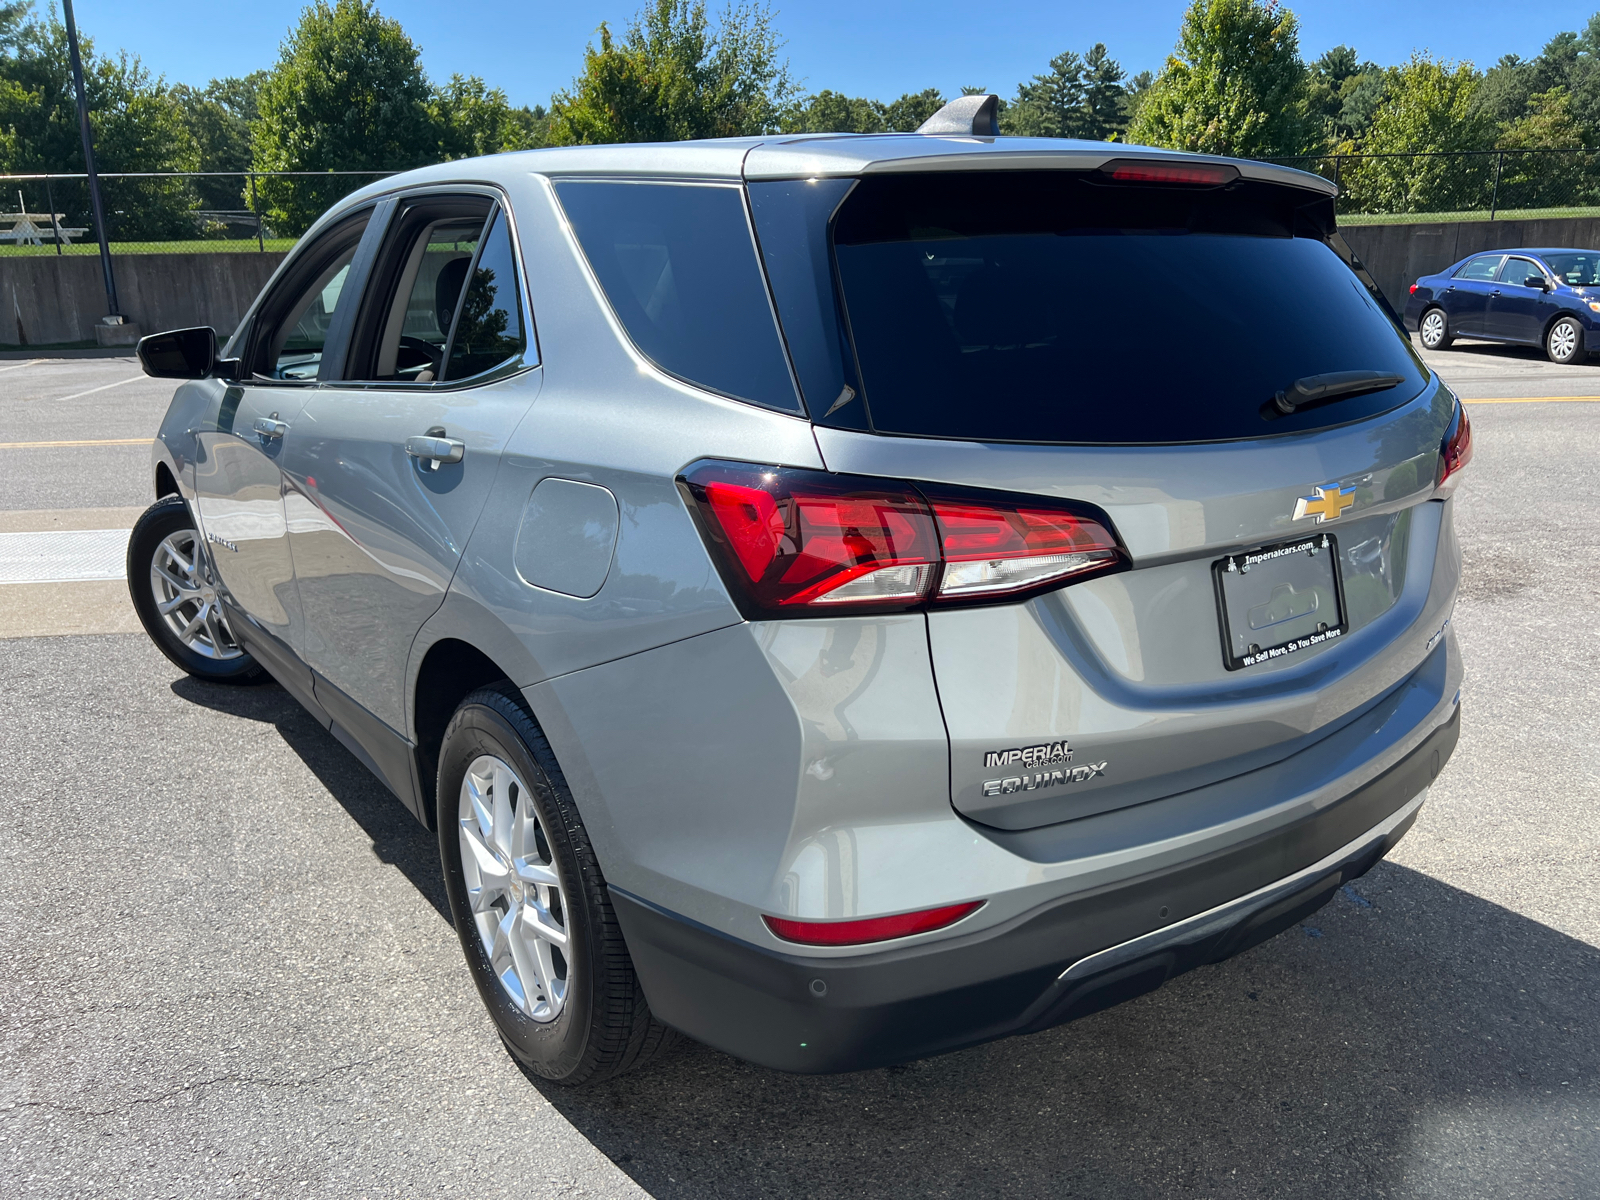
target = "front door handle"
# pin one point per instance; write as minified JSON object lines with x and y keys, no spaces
{"x":271,"y":428}
{"x":435,"y":450}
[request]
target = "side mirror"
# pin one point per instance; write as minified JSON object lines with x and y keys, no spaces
{"x":1537,"y":281}
{"x":184,"y":354}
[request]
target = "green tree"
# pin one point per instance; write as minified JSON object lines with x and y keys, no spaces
{"x":1427,"y":111}
{"x":136,"y":120}
{"x":911,"y":110}
{"x":1539,"y":180}
{"x":218,"y":117}
{"x":673,"y":76}
{"x":1080,"y":97}
{"x":470,"y":118}
{"x":347,"y":93}
{"x":1233,"y":85}
{"x":834,"y":112}
{"x":1342,"y":93}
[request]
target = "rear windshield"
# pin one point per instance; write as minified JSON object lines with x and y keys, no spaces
{"x":1048,"y":307}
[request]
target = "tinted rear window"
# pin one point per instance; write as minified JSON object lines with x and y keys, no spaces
{"x":678,"y":263}
{"x":1047,"y":307}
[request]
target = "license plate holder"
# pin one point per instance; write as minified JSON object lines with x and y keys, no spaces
{"x":1279,"y":600}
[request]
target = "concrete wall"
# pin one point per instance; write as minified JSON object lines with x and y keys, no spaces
{"x":1397,"y":255}
{"x":49,"y":299}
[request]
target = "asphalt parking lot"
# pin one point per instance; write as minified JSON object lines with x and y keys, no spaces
{"x":230,"y":969}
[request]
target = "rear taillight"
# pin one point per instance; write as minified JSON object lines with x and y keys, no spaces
{"x":1414,"y":288}
{"x":1455,"y":453}
{"x":791,"y":542}
{"x":872,"y":929}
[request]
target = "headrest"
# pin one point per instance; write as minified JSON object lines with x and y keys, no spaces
{"x":447,"y":290}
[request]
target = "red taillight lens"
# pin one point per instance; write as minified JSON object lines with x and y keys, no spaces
{"x":995,"y":548}
{"x":873,"y":929}
{"x":1414,"y":288}
{"x":1455,"y":453}
{"x":790,"y":539}
{"x":792,"y":542}
{"x":1126,"y":170}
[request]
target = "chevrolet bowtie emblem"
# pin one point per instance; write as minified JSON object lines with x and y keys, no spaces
{"x":1328,"y":504}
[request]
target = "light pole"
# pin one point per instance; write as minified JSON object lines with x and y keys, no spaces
{"x":88,"y":162}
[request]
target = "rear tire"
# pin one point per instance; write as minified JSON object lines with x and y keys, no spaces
{"x":1434,"y":330}
{"x":174,"y":593}
{"x":530,"y":904}
{"x":1563,"y":342}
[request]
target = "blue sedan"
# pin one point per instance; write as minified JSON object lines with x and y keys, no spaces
{"x":1548,"y":298}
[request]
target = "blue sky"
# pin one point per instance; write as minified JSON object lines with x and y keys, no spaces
{"x":861,"y":47}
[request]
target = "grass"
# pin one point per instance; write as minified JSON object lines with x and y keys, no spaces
{"x":1504,"y":214}
{"x":197,"y":246}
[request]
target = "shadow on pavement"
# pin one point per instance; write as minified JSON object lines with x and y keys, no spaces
{"x":1411,"y":1039}
{"x":397,"y":838}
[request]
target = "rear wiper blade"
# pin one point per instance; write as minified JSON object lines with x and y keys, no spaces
{"x":1322,"y":389}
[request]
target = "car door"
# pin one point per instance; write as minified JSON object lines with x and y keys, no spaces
{"x":389,"y":468}
{"x":238,"y":478}
{"x":1518,"y":312}
{"x":1466,"y":299}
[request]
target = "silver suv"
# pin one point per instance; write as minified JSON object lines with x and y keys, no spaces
{"x":841,"y":598}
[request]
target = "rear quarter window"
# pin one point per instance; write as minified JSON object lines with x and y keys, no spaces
{"x":678,"y":264}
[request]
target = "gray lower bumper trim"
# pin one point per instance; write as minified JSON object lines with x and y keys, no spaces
{"x":1215,"y":921}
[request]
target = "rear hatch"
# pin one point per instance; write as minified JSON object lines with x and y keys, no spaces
{"x":1193,"y":353}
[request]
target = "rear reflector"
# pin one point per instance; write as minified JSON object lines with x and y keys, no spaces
{"x":873,"y":929}
{"x":1128,"y":170}
{"x":1455,"y":453}
{"x":791,"y":542}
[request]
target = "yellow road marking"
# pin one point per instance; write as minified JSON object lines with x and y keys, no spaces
{"x":1535,"y":400}
{"x":56,"y":445}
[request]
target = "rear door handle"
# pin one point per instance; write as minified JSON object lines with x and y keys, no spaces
{"x":435,"y":450}
{"x":270,"y":428}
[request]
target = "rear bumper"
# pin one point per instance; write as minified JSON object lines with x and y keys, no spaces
{"x":1051,"y":965}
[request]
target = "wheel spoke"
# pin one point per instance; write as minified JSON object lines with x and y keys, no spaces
{"x":186,"y":634}
{"x":534,"y":872}
{"x":503,"y":814}
{"x":525,"y":954}
{"x":168,"y":606}
{"x":540,"y":921}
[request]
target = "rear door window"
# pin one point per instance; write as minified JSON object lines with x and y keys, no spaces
{"x":1483,"y":268}
{"x":1047,"y":307}
{"x":678,"y":264}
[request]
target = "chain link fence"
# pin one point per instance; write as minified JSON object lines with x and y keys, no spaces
{"x":213,"y":211}
{"x":1507,"y":185}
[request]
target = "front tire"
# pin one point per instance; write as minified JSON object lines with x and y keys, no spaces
{"x":530,"y":904}
{"x":173,"y":591}
{"x":1434,"y":330}
{"x":1564,"y":342}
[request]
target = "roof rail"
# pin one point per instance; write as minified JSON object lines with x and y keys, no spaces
{"x":966,"y":114}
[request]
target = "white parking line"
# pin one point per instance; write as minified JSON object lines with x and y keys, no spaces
{"x":63,"y":556}
{"x":32,"y":362}
{"x":91,"y":391}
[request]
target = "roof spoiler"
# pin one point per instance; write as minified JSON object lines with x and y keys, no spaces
{"x":971,"y":115}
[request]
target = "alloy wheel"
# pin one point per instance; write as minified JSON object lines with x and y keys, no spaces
{"x":1563,"y":340}
{"x":186,"y":597}
{"x":514,"y":888}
